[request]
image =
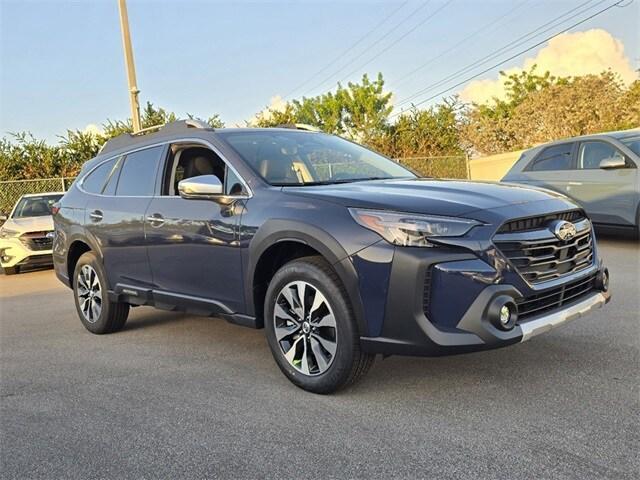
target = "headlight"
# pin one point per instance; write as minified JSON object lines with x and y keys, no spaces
{"x":6,"y":233}
{"x":410,"y":229}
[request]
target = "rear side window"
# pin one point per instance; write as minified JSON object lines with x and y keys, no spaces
{"x":557,"y":157}
{"x":138,"y":173}
{"x":94,"y":182}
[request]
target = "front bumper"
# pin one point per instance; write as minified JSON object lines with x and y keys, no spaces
{"x":15,"y":253}
{"x":544,"y":323}
{"x":442,"y":301}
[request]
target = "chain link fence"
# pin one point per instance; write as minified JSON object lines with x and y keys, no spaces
{"x":438,"y":167}
{"x":12,"y":190}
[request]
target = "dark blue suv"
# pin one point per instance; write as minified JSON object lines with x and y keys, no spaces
{"x":338,"y":252}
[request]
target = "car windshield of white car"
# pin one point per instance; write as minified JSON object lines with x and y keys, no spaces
{"x":38,"y":206}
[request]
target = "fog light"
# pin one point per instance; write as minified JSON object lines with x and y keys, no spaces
{"x":505,"y":315}
{"x":602,"y":280}
{"x":503,"y":312}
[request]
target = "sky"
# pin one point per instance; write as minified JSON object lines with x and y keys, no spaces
{"x":62,"y":67}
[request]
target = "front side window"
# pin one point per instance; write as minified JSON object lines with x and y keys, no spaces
{"x":303,"y":158}
{"x":138,"y":173}
{"x":592,"y":153}
{"x":193,"y":161}
{"x":557,"y":157}
{"x":95,"y":181}
{"x":35,"y":206}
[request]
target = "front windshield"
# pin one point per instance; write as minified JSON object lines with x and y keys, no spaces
{"x":37,"y":206}
{"x":304,"y":158}
{"x":633,"y":143}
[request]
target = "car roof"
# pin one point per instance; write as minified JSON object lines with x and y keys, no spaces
{"x":618,"y":135}
{"x":179,"y":128}
{"x":27,"y":195}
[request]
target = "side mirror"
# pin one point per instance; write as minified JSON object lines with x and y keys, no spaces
{"x":3,"y":217}
{"x":207,"y":187}
{"x":612,"y":163}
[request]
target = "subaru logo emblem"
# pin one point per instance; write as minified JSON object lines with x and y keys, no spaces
{"x":564,"y":230}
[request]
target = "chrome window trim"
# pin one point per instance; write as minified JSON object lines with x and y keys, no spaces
{"x":169,"y":142}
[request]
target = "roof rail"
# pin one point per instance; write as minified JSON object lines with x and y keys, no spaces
{"x":299,"y":126}
{"x":178,"y":126}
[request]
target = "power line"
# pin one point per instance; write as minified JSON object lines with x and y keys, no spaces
{"x":342,"y":55}
{"x":514,"y":56}
{"x":505,"y":48}
{"x":389,"y":32}
{"x":429,"y":17}
{"x":461,"y":42}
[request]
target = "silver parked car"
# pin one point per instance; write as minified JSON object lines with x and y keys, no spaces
{"x":599,"y":171}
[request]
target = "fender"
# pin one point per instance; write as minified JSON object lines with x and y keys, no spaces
{"x":77,"y":233}
{"x":278,"y":230}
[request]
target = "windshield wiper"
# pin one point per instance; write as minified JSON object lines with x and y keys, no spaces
{"x":329,"y":182}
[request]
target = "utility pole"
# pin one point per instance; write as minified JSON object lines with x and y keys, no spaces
{"x":130,"y":65}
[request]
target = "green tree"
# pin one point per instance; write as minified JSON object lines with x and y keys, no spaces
{"x":359,"y":111}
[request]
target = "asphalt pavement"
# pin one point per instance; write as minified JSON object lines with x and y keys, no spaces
{"x":179,"y":396}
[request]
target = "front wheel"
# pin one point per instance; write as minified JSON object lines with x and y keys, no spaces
{"x":97,"y":313}
{"x":311,"y":328}
{"x":11,"y":270}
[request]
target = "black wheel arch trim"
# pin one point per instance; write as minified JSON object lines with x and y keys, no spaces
{"x":277,"y":230}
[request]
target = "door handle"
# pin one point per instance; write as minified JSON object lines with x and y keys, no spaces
{"x":96,"y":215}
{"x":156,"y":220}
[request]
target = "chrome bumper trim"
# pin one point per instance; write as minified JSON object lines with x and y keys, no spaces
{"x":545,"y":323}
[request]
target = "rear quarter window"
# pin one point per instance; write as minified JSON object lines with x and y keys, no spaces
{"x":94,"y":182}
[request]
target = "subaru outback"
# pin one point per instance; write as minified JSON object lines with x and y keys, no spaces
{"x":340,"y":253}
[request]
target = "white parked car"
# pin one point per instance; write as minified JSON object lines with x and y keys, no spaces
{"x":26,"y":237}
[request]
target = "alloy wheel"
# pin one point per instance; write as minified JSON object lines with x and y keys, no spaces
{"x":305,"y":328}
{"x":89,"y":293}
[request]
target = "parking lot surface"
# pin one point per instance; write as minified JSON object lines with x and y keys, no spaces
{"x":178,"y":396}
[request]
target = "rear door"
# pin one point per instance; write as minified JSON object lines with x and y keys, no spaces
{"x":551,"y":168}
{"x":608,"y":196}
{"x":115,"y":217}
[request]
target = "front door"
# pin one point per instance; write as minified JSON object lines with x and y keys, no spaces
{"x":193,"y":244}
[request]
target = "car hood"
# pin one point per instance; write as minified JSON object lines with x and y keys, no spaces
{"x":429,"y":196}
{"x":30,"y":224}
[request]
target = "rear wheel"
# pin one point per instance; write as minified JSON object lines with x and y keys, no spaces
{"x":97,"y":313}
{"x":11,"y":270}
{"x":311,"y":328}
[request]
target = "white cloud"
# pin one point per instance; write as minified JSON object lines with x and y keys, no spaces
{"x":93,"y":129}
{"x":569,"y":54}
{"x":276,"y":104}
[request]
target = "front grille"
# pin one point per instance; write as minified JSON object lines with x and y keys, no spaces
{"x":534,"y":223}
{"x":539,"y":255}
{"x":555,"y":297}
{"x":37,"y":241}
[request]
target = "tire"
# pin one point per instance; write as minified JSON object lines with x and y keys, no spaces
{"x":11,"y":270}
{"x":322,"y":334}
{"x":97,"y":313}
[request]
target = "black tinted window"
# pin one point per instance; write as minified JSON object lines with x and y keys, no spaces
{"x":138,"y":173}
{"x":557,"y":157}
{"x":94,"y":182}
